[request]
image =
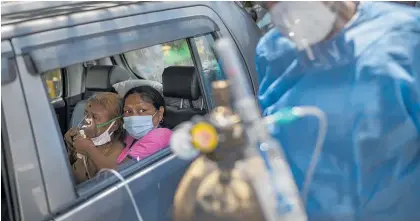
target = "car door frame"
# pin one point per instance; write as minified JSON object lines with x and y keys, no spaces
{"x":59,"y":48}
{"x":197,"y":62}
{"x":59,"y":103}
{"x":26,"y":187}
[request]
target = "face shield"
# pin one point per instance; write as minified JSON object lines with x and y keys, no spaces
{"x":305,"y":23}
{"x":311,"y":24}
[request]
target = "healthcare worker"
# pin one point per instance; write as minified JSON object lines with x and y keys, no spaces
{"x":360,"y":64}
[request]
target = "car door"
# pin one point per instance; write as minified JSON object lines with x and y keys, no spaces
{"x":152,"y":181}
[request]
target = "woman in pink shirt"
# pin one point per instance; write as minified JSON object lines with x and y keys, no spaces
{"x":144,"y":111}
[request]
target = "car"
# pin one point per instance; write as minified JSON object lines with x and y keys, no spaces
{"x":55,"y":55}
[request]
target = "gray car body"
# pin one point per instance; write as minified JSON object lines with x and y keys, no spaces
{"x":41,"y":36}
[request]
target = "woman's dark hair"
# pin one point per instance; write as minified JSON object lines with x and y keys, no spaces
{"x":148,"y":94}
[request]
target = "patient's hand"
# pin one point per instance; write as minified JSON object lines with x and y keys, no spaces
{"x":68,"y":137}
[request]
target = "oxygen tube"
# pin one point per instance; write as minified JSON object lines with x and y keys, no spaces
{"x":118,"y":175}
{"x":288,"y":202}
{"x":288,"y":115}
{"x":127,"y":187}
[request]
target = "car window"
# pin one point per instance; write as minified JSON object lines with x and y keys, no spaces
{"x":54,"y":82}
{"x":148,"y":63}
{"x":208,"y":60}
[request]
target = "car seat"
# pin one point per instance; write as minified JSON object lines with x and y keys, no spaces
{"x":181,"y":82}
{"x":98,"y":78}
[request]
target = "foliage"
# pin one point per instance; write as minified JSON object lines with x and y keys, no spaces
{"x":248,"y":4}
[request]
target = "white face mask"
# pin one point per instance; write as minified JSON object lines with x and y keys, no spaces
{"x":104,"y":138}
{"x":305,"y":23}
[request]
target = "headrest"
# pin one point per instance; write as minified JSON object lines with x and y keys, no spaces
{"x":118,"y":74}
{"x":181,"y":82}
{"x":102,"y":77}
{"x":78,"y":113}
{"x":124,"y":86}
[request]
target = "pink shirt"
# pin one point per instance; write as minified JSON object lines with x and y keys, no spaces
{"x":152,"y":142}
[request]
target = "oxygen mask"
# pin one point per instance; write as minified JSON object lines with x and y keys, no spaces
{"x":90,"y":129}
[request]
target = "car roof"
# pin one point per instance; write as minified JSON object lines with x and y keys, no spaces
{"x":23,"y":18}
{"x":15,"y":12}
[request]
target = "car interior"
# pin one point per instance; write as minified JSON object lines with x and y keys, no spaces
{"x":182,"y":92}
{"x":179,"y":82}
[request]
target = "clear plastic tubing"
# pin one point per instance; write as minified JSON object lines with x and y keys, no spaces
{"x":287,"y":115}
{"x":127,"y":187}
{"x":256,"y":126}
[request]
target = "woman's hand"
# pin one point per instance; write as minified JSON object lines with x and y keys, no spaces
{"x":82,"y":145}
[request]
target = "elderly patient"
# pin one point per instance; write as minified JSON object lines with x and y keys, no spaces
{"x":97,"y":142}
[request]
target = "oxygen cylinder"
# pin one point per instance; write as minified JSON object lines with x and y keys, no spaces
{"x":215,"y":187}
{"x":237,"y":153}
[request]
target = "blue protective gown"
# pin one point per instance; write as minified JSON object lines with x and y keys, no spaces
{"x":366,"y":80}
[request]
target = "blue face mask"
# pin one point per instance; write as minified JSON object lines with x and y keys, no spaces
{"x":138,"y":126}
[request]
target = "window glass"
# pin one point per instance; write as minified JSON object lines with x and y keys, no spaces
{"x":149,"y":63}
{"x":210,"y":66}
{"x":54,"y":83}
{"x":177,"y":53}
